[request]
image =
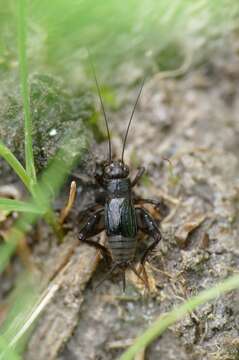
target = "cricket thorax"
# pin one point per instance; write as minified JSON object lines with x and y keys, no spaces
{"x":118,"y":187}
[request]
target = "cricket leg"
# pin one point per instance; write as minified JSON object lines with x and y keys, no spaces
{"x":148,"y":225}
{"x":139,"y":201}
{"x":138,"y":176}
{"x":95,"y":224}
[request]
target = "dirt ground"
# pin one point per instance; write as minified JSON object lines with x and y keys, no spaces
{"x":193,"y":121}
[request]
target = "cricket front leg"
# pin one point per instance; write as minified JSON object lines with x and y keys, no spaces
{"x":95,"y":225}
{"x":138,"y":176}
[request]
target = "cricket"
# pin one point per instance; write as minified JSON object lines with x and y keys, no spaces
{"x":121,"y":214}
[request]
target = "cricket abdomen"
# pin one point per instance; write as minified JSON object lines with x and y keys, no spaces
{"x":122,"y":248}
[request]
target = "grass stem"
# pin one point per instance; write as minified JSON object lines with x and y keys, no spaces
{"x":22,"y":38}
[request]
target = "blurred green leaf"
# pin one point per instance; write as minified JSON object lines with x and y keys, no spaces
{"x":21,"y":206}
{"x":15,"y":165}
{"x":6,"y":353}
{"x":150,"y":34}
{"x":22,"y":301}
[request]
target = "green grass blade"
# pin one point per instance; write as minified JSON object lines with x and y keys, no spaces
{"x":22,"y":37}
{"x":13,"y":236}
{"x":6,"y":251}
{"x":6,"y":353}
{"x":44,"y":192}
{"x":21,"y":301}
{"x":164,"y":321}
{"x":15,"y":165}
{"x":20,"y":206}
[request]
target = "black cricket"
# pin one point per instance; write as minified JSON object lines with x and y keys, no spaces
{"x":121,"y":215}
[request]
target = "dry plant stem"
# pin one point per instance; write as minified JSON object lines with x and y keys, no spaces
{"x":70,"y":202}
{"x":70,"y":271}
{"x":177,"y":72}
{"x":119,"y":344}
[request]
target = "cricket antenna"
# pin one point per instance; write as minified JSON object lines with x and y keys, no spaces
{"x":101,"y":102}
{"x":131,"y":117}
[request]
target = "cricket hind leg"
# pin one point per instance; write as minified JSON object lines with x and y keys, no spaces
{"x":148,"y":225}
{"x":95,"y":224}
{"x":159,"y":205}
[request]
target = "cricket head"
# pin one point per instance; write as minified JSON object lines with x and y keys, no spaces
{"x":115,"y":170}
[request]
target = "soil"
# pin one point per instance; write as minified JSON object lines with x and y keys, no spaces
{"x":191,"y":120}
